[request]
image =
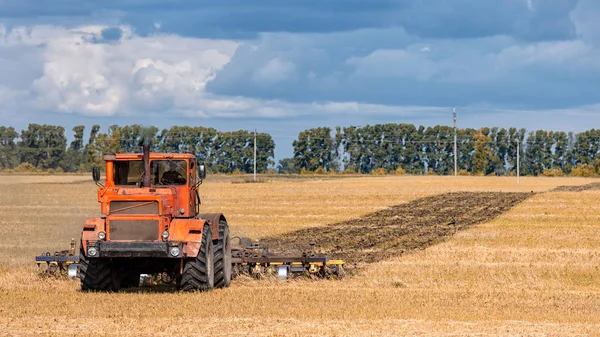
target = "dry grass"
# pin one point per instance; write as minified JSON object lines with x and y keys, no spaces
{"x":532,"y":271}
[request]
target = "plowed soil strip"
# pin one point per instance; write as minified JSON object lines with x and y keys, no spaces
{"x":587,"y":187}
{"x":399,"y":229}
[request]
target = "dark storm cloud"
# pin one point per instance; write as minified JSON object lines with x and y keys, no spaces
{"x":392,"y":67}
{"x":525,"y":19}
{"x":528,"y":20}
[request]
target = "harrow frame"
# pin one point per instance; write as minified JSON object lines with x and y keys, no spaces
{"x":64,"y":261}
{"x":249,"y":257}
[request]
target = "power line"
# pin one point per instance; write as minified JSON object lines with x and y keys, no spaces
{"x":455,"y":150}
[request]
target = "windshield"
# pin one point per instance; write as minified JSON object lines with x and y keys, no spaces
{"x":162,"y":172}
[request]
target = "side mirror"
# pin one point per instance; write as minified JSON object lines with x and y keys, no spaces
{"x":96,"y":173}
{"x":202,"y":171}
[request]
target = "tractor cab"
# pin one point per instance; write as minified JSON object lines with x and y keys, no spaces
{"x":171,"y":178}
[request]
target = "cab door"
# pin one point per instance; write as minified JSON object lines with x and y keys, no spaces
{"x":194,"y":197}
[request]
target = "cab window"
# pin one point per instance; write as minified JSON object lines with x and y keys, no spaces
{"x":128,"y":172}
{"x":168,"y":172}
{"x":162,"y":172}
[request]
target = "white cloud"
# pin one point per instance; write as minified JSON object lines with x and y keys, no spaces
{"x":82,"y":76}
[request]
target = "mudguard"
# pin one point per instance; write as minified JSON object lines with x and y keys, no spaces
{"x":213,"y":220}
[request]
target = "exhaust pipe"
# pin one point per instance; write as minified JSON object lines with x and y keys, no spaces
{"x":146,"y":150}
{"x":146,"y":135}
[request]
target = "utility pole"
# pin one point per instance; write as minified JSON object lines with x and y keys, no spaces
{"x":455,"y":151}
{"x":254,"y":154}
{"x":518,"y":158}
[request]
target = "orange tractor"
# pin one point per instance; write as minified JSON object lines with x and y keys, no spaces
{"x":151,"y":224}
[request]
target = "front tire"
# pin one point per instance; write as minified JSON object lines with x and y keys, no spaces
{"x":95,"y":274}
{"x":198,"y":272}
{"x":223,"y":257}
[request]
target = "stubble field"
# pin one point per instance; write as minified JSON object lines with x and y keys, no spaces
{"x":495,"y":259}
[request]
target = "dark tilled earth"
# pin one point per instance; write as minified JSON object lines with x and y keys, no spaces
{"x":587,"y":187}
{"x":399,"y":229}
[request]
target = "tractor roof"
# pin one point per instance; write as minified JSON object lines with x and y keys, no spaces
{"x":153,"y":155}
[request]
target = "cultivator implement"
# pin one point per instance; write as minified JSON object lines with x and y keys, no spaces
{"x":249,"y":257}
{"x":60,"y":263}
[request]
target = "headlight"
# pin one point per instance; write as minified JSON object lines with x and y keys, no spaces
{"x":165,"y":235}
{"x":175,"y":251}
{"x":101,"y":235}
{"x":92,"y":251}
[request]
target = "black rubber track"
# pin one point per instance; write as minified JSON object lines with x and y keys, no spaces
{"x":223,"y":257}
{"x":198,"y":272}
{"x":95,"y":274}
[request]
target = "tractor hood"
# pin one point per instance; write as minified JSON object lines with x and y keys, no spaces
{"x":151,"y":200}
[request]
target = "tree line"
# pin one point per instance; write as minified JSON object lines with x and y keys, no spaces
{"x":414,"y":149}
{"x":383,"y":148}
{"x":44,"y":147}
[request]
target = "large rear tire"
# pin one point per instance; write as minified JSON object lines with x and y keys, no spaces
{"x":198,"y":272}
{"x":95,"y":274}
{"x":223,"y":257}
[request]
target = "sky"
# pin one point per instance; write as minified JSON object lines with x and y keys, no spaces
{"x":285,"y":66}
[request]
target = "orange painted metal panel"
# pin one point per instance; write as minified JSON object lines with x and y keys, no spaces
{"x":187,"y":230}
{"x":91,"y":228}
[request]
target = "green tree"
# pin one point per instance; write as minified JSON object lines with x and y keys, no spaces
{"x":235,"y":151}
{"x":539,"y":152}
{"x":465,"y":148}
{"x":75,"y":155}
{"x":314,"y":148}
{"x":43,"y":146}
{"x":439,"y":149}
{"x":483,"y":155}
{"x":561,"y":151}
{"x":586,"y":147}
{"x":9,"y":156}
{"x":91,"y":157}
{"x":515,"y":140}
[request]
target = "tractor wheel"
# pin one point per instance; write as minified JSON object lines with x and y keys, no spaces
{"x":95,"y":274}
{"x":198,"y":272}
{"x":223,"y":257}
